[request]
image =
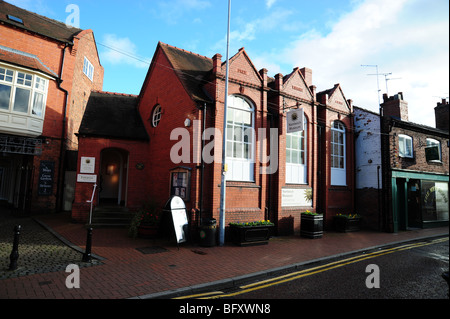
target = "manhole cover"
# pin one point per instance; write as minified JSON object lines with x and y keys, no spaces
{"x":151,"y":250}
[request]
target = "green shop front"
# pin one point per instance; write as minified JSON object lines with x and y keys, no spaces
{"x":419,"y":200}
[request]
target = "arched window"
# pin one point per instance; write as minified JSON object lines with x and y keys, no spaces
{"x":338,"y":158}
{"x":156,"y":115}
{"x":240,"y":139}
{"x":296,"y":156}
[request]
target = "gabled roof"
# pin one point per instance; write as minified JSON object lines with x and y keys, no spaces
{"x":331,"y":92}
{"x":113,"y":115}
{"x":192,"y":70}
{"x":36,"y":23}
{"x":24,"y":59}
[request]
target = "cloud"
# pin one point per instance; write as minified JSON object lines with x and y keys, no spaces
{"x":270,"y":3}
{"x":173,"y":11}
{"x":405,"y":38}
{"x":121,"y":51}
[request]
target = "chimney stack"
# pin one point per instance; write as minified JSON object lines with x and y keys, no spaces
{"x":441,"y":114}
{"x":395,"y":107}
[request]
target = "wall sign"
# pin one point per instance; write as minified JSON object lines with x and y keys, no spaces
{"x":85,"y":178}
{"x":295,"y":120}
{"x":46,"y":174}
{"x":87,"y":165}
{"x":292,"y":197}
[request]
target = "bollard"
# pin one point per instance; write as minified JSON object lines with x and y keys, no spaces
{"x":15,"y":251}
{"x":87,"y":254}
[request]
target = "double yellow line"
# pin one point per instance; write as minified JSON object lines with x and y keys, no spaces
{"x":308,"y":272}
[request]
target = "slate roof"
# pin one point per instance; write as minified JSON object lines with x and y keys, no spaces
{"x":192,"y":69}
{"x":113,"y":115}
{"x":24,"y":59}
{"x":36,"y":23}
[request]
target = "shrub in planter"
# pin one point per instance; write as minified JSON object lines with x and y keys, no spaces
{"x":347,"y":222}
{"x":311,"y":225}
{"x":251,"y":233}
{"x":145,"y":222}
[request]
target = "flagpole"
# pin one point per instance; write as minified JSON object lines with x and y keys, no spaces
{"x":224,"y":140}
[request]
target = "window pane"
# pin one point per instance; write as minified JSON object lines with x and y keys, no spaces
{"x":5,"y":95}
{"x":237,"y":134}
{"x":238,"y":116}
{"x":288,"y":140}
{"x":408,"y":144}
{"x":24,"y":79}
{"x":247,"y":154}
{"x":288,"y":156}
{"x":229,"y":132}
{"x":341,"y":138}
{"x":295,"y":157}
{"x":302,"y":157}
{"x":229,"y":149}
{"x":295,"y":142}
{"x":237,"y":150}
{"x":247,"y":118}
{"x":341,"y":150}
{"x":40,"y":84}
{"x":6,"y":75}
{"x":230,"y":115}
{"x":38,"y":104}
{"x":341,"y":162}
{"x":248,"y":135}
{"x":21,"y":100}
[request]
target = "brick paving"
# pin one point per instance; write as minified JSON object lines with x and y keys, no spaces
{"x":124,"y":271}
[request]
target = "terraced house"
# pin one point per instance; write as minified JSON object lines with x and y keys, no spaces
{"x":47,"y":72}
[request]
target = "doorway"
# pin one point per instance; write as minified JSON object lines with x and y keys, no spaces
{"x":113,"y":177}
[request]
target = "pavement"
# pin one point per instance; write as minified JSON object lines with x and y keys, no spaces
{"x":126,"y":268}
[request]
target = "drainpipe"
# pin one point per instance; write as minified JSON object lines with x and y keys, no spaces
{"x":202,"y":167}
{"x":61,"y":179}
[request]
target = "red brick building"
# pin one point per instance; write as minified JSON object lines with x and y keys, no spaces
{"x":402,"y":167}
{"x":47,"y":72}
{"x":272,"y":177}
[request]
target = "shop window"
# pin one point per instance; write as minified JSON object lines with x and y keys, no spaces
{"x":296,"y":160}
{"x":240,"y":139}
{"x":338,"y":163}
{"x":433,"y":150}
{"x":180,"y":183}
{"x":405,"y":146}
{"x":434,"y":201}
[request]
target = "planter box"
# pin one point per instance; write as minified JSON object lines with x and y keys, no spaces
{"x":344,"y":225}
{"x":311,"y":226}
{"x":250,"y":235}
{"x":147,"y":231}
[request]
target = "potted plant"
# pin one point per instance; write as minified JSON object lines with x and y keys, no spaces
{"x":347,"y":222}
{"x":311,"y":225}
{"x":251,"y":233}
{"x":145,"y":221}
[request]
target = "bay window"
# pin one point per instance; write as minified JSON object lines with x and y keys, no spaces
{"x":23,"y":96}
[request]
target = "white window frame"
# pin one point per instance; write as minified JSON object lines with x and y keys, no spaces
{"x":156,"y":115}
{"x":296,"y":169}
{"x":34,"y":84}
{"x":88,"y":69}
{"x":435,"y":142}
{"x":240,"y":147}
{"x":338,"y":172}
{"x":403,"y":142}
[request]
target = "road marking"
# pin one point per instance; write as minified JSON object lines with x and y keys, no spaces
{"x":200,"y":295}
{"x":311,"y":271}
